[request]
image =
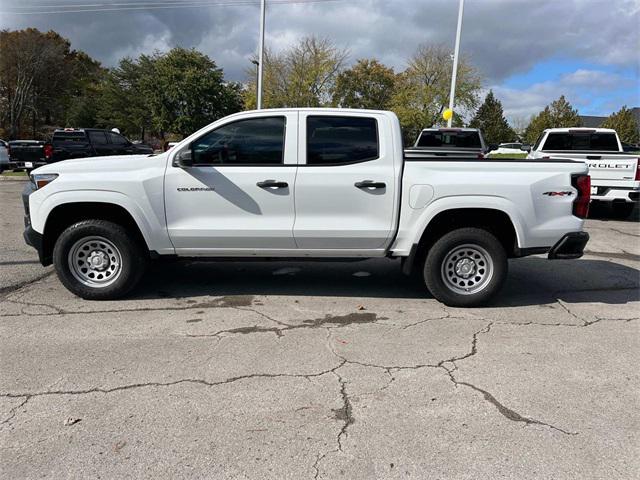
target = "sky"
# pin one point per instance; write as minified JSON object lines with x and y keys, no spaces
{"x":528,"y":51}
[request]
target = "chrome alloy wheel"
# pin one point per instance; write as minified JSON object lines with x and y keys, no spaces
{"x":95,"y":262}
{"x":467,"y":269}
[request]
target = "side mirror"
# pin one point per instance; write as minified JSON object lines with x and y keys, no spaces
{"x":525,"y":148}
{"x":184,"y":158}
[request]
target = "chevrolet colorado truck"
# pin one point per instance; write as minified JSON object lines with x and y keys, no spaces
{"x":615,"y":174}
{"x":299,"y":184}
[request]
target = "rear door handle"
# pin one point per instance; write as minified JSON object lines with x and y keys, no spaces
{"x":370,"y":184}
{"x":272,"y":184}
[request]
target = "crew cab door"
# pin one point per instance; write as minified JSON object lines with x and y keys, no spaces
{"x":237,"y":198}
{"x":346,"y":184}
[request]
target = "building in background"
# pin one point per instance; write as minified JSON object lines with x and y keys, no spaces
{"x":591,"y":121}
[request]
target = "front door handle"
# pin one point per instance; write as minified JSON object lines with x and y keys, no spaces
{"x":272,"y":184}
{"x":370,"y":184}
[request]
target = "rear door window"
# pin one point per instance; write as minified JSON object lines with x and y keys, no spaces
{"x":334,"y":140}
{"x":98,"y":138}
{"x":449,"y":139}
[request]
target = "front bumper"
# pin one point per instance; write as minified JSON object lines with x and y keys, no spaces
{"x":34,"y":239}
{"x":31,"y":237}
{"x":570,"y":246}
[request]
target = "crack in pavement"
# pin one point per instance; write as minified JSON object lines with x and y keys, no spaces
{"x":343,"y":414}
{"x":4,"y":291}
{"x":505,"y":411}
{"x":14,"y":410}
{"x":195,"y":381}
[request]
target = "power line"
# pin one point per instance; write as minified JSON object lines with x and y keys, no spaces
{"x":116,"y":7}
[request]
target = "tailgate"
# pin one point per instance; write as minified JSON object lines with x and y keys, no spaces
{"x":607,"y":169}
{"x":613,"y":171}
{"x":27,"y":152}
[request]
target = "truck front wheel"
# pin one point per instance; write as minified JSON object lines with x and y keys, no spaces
{"x":465,"y":267}
{"x":98,"y":260}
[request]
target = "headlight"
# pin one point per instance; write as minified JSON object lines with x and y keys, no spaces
{"x":39,"y":180}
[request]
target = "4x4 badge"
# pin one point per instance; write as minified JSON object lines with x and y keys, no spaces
{"x":558,"y":194}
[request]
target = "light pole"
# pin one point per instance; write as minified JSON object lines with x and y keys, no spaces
{"x":454,"y":74}
{"x":257,"y":64}
{"x":263,"y":8}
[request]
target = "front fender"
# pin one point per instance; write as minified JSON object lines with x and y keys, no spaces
{"x":152,"y":227}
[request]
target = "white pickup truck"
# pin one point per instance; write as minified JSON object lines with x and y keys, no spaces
{"x":615,"y":174}
{"x":304,"y":183}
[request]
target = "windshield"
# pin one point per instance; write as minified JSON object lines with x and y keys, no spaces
{"x":449,"y":139}
{"x":581,"y":141}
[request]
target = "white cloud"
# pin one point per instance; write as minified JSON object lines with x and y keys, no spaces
{"x":581,"y":88}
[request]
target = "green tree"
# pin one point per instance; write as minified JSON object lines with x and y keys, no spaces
{"x":186,"y":91}
{"x":489,"y":118}
{"x":40,"y":75}
{"x":422,"y":90}
{"x":558,"y":114}
{"x":625,"y":124}
{"x":123,"y":101}
{"x":302,"y":76}
{"x":367,"y":84}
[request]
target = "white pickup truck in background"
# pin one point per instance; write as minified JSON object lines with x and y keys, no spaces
{"x":615,"y":174}
{"x":304,"y":183}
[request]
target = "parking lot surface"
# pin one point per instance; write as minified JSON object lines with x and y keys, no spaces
{"x":322,"y":370}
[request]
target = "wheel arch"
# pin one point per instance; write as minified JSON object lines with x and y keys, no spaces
{"x":494,"y":220}
{"x":66,"y":214}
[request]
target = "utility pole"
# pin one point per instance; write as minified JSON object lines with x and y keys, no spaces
{"x":456,"y":52}
{"x":263,"y":8}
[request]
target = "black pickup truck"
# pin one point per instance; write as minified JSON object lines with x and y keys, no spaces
{"x":28,"y":154}
{"x":92,"y":142}
{"x":72,"y":143}
{"x":449,"y":142}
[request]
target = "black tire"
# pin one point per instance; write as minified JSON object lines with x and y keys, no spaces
{"x":622,"y":210}
{"x":129,"y":260}
{"x":481,"y":263}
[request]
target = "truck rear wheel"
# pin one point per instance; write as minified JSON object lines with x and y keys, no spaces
{"x":98,"y":260}
{"x":465,"y":267}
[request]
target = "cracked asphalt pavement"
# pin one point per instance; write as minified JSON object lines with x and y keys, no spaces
{"x":322,"y":370}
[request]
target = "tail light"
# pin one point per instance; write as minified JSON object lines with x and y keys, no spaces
{"x":48,"y":151}
{"x":582,"y":183}
{"x":638,"y":170}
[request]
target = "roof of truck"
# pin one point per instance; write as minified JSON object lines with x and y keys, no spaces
{"x":450,"y":129}
{"x":580,"y":130}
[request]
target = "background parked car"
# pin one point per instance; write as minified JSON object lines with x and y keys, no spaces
{"x":28,"y":154}
{"x":4,"y":156}
{"x":514,"y":148}
{"x":92,"y":142}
